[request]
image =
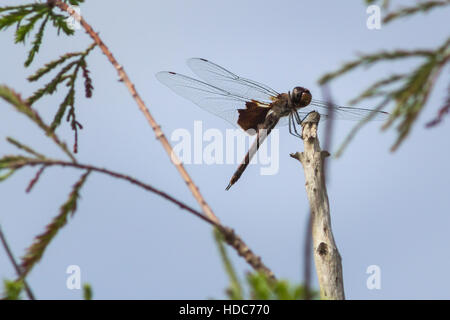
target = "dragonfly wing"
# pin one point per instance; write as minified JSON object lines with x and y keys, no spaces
{"x":337,"y":112}
{"x":224,"y":79}
{"x":284,"y":121}
{"x":210,"y":98}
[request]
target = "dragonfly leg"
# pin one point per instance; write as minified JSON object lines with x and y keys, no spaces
{"x":292,"y":128}
{"x":297,"y":117}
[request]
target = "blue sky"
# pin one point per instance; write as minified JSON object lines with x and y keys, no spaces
{"x":388,"y":209}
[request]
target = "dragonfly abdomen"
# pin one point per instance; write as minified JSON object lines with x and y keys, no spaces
{"x":270,"y":122}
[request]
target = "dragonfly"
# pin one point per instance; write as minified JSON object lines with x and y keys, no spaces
{"x":254,"y":107}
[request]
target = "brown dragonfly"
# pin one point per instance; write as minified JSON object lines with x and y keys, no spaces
{"x":254,"y":107}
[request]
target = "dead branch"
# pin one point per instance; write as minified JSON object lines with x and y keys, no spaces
{"x":326,"y":255}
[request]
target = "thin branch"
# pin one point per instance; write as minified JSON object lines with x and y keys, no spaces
{"x":15,"y":265}
{"x":420,"y":7}
{"x":37,"y":249}
{"x":229,"y":235}
{"x":123,"y":76}
{"x":35,"y":179}
{"x":441,"y":113}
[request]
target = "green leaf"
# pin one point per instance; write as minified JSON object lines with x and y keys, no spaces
{"x":37,"y":249}
{"x":59,"y":21}
{"x":51,"y":87}
{"x":25,"y":29}
{"x":12,"y":289}
{"x":15,"y":17}
{"x":23,"y":107}
{"x":69,"y":100}
{"x":16,"y":101}
{"x":25,"y":6}
{"x":87,"y":291}
{"x":51,"y":65}
{"x":6,"y":175}
{"x":421,"y":7}
{"x":259,"y":286}
{"x":235,"y":289}
{"x":37,"y":42}
{"x":26,"y":148}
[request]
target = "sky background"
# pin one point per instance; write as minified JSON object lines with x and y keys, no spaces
{"x":388,"y":209}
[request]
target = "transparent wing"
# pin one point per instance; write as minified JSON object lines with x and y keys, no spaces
{"x":337,"y":113}
{"x":226,"y":80}
{"x":213,"y":99}
{"x":344,"y":113}
{"x":284,"y":121}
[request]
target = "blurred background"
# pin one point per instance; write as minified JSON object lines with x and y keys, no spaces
{"x":388,"y":209}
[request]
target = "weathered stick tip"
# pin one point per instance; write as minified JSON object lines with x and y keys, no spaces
{"x":312,"y":117}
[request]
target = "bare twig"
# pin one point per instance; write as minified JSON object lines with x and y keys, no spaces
{"x":15,"y":265}
{"x":326,"y":93}
{"x":155,"y":126}
{"x":35,"y":179}
{"x":326,"y":255}
{"x":441,"y":113}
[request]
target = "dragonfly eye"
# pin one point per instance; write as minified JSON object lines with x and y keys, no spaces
{"x":306,"y":98}
{"x":301,"y":96}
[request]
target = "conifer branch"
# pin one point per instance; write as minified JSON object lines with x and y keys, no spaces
{"x":37,"y":249}
{"x":229,"y":236}
{"x":123,"y":76}
{"x":15,"y":265}
{"x":21,"y":106}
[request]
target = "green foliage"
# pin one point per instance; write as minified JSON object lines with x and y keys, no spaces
{"x":74,"y":2}
{"x":26,"y":148}
{"x":59,"y":22}
{"x":25,"y":17}
{"x":420,"y":7}
{"x":234,"y":292}
{"x":12,"y":289}
{"x":24,"y":29}
{"x":67,"y":74}
{"x":409,"y":91}
{"x":37,"y":249}
{"x":262,"y":288}
{"x":23,"y":107}
{"x":259,"y":286}
{"x":16,"y":14}
{"x":384,"y":3}
{"x":87,"y":291}
{"x":37,"y":42}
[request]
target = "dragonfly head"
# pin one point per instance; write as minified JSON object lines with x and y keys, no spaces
{"x":300,"y":97}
